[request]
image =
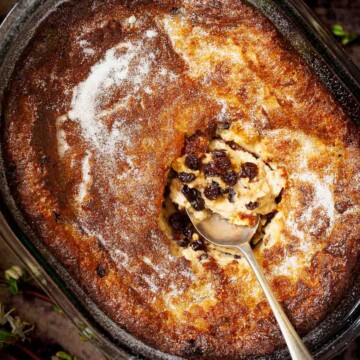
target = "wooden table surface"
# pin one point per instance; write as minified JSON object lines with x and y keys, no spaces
{"x":53,"y":328}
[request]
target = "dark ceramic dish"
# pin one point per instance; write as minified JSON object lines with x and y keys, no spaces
{"x":295,"y":21}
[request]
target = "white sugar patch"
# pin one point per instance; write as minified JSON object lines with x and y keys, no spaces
{"x":131,"y":19}
{"x":84,"y":43}
{"x":223,"y":114}
{"x":85,"y":46}
{"x":321,"y":182}
{"x":288,"y":267}
{"x":86,"y":179}
{"x":89,"y":51}
{"x":151,"y":33}
{"x":120,"y":257}
{"x":153,"y":287}
{"x":63,"y":145}
{"x":323,"y":196}
{"x":124,"y":65}
{"x":161,"y":271}
{"x":148,"y":90}
{"x":201,"y":59}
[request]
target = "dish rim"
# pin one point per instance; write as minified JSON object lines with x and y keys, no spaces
{"x":55,"y":279}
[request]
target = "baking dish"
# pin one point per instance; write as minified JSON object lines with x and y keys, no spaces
{"x":337,"y":73}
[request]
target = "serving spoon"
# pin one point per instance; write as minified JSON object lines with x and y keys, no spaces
{"x":220,"y":232}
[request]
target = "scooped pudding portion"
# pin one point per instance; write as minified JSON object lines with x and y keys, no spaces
{"x":226,"y":179}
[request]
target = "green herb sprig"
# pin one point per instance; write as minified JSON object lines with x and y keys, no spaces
{"x":62,"y":355}
{"x":16,"y":279}
{"x":12,"y":328}
{"x":13,"y":277}
{"x":345,"y":36}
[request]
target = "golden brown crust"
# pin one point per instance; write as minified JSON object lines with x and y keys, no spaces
{"x":146,"y":289}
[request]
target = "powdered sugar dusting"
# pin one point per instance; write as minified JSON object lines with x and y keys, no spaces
{"x":322,"y":182}
{"x":312,"y":178}
{"x":323,"y":195}
{"x":86,"y":178}
{"x":223,"y":114}
{"x":120,"y":257}
{"x":151,"y":33}
{"x":154,"y":288}
{"x":87,"y":50}
{"x":63,"y":146}
{"x":122,"y":65}
{"x":203,"y":59}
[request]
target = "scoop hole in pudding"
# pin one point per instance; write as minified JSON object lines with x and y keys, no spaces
{"x":215,"y":174}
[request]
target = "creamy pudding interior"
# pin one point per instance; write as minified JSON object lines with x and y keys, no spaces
{"x":218,"y":175}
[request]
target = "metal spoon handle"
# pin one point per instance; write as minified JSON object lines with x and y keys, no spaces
{"x":296,"y":347}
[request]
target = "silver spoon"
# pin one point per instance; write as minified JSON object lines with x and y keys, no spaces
{"x":220,"y":232}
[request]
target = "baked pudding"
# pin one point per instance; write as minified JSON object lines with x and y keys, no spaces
{"x":109,"y":96}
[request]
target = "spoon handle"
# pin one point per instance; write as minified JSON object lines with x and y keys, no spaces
{"x":296,"y":347}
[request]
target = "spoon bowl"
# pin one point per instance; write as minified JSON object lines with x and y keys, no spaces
{"x":220,"y":232}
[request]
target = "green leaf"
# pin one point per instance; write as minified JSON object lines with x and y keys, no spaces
{"x":7,"y":338}
{"x":338,"y":30}
{"x":13,"y":286}
{"x":346,"y":37}
{"x":64,"y":356}
{"x":57,"y":309}
{"x":349,"y":39}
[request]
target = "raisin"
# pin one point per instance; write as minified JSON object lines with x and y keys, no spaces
{"x":221,"y":166}
{"x":212,"y":191}
{"x":252,"y":205}
{"x":230,"y":178}
{"x":196,"y":144}
{"x":188,"y":232}
{"x":198,"y":204}
{"x":174,"y":10}
{"x":340,"y":207}
{"x":204,"y":257}
{"x":101,"y":271}
{"x":190,"y":193}
{"x":211,"y":129}
{"x":195,"y":198}
{"x":210,"y":170}
{"x":57,"y":216}
{"x":231,"y":196}
{"x":44,"y":160}
{"x":249,"y":170}
{"x":221,"y":161}
{"x":178,"y":221}
{"x":198,"y":245}
{"x":186,"y":177}
{"x":219,"y":154}
{"x":192,"y":162}
{"x":225,"y":125}
{"x":184,"y":242}
{"x":233,"y":145}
